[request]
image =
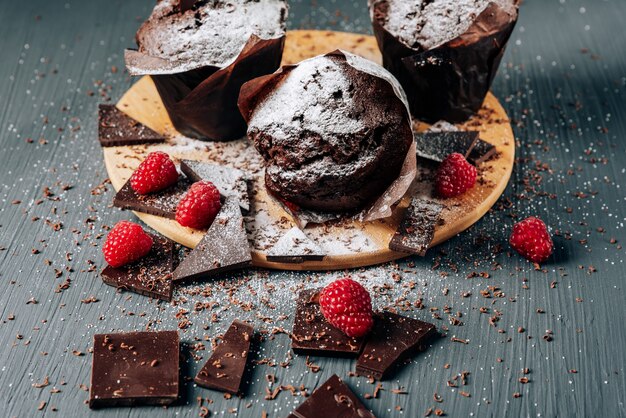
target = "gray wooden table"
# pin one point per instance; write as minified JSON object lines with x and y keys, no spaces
{"x":563,"y":82}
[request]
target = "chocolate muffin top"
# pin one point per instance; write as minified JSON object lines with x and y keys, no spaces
{"x":427,"y":24}
{"x":212,"y":33}
{"x":334,"y":131}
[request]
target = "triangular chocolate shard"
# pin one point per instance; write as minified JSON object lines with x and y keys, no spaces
{"x":224,"y":247}
{"x":332,"y":399}
{"x":231,"y":182}
{"x":115,"y":128}
{"x":295,"y":247}
{"x":393,"y":339}
{"x":151,"y":276}
{"x":436,"y":146}
{"x":161,"y":203}
{"x":226,"y":366}
{"x":417,"y":228}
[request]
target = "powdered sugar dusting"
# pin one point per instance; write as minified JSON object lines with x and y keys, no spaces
{"x":295,"y":243}
{"x":427,"y":24}
{"x":213,"y":35}
{"x":307,"y":89}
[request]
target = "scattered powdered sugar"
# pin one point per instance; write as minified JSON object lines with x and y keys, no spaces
{"x":442,"y":126}
{"x":295,"y":243}
{"x":213,"y":35}
{"x":427,"y":24}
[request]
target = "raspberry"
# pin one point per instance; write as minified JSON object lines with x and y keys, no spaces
{"x":199,"y":207}
{"x":531,"y":239}
{"x":347,"y":306}
{"x":126,"y":242}
{"x":155,"y":173}
{"x":454,"y":176}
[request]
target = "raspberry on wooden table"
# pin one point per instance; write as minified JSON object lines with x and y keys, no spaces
{"x":199,"y":207}
{"x":454,"y":176}
{"x":532,"y":240}
{"x":126,"y":243}
{"x":346,"y":304}
{"x":157,"y":172}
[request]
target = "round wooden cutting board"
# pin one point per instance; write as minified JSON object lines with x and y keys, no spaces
{"x":348,"y":244}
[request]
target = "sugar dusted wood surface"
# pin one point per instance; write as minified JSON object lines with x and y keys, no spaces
{"x":561,"y":82}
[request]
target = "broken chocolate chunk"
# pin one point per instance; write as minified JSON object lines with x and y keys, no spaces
{"x":482,"y":151}
{"x":436,"y":146}
{"x":224,"y":247}
{"x":134,"y":368}
{"x":332,"y":399}
{"x":393,"y":339}
{"x":231,"y":182}
{"x":313,"y":334}
{"x":151,"y":276}
{"x":226,"y":366}
{"x":295,"y":247}
{"x":161,"y":203}
{"x":417,"y":228}
{"x":115,"y":128}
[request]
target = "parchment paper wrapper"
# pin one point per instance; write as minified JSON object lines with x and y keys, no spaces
{"x":448,"y":82}
{"x":382,"y":207}
{"x":202,"y":102}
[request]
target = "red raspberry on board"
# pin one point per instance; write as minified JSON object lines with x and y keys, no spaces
{"x":155,"y":173}
{"x":199,"y":207}
{"x":126,"y":243}
{"x":346,"y":304}
{"x":454,"y":176}
{"x":532,"y":240}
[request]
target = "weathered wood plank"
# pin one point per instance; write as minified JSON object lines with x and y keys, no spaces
{"x":555,"y":93}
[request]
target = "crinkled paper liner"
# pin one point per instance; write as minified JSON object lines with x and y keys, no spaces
{"x":383,"y":206}
{"x":449,"y":82}
{"x":202,"y":102}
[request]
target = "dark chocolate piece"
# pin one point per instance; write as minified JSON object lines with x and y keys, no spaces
{"x":313,"y":335}
{"x":115,"y":128}
{"x":134,"y":368}
{"x":295,"y":247}
{"x":332,"y":399}
{"x":224,"y":247}
{"x":481,"y":152}
{"x":184,"y":5}
{"x":417,"y":228}
{"x":436,"y":146}
{"x":333,"y":130}
{"x":226,"y":366}
{"x":161,"y":203}
{"x":393,"y":339}
{"x":151,"y":276}
{"x":231,"y":182}
{"x":199,"y":58}
{"x":449,"y":81}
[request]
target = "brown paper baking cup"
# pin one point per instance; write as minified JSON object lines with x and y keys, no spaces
{"x":449,"y":82}
{"x":202,"y":102}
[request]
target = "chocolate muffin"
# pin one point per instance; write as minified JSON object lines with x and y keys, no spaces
{"x":334,"y":131}
{"x":200,"y":53}
{"x":445,"y":53}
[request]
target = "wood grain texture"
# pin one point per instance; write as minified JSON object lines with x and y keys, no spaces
{"x":142,"y":102}
{"x":562,"y":82}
